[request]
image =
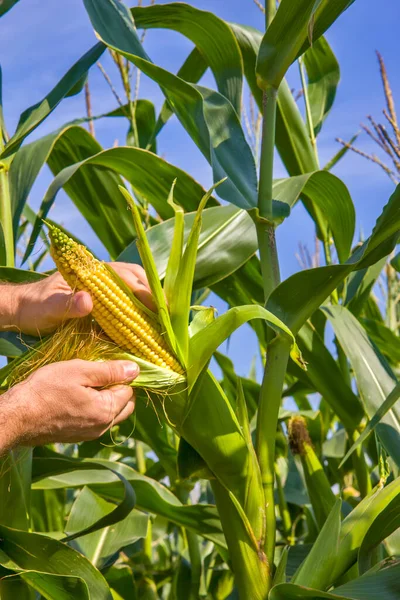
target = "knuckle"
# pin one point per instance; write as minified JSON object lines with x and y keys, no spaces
{"x":112,"y":371}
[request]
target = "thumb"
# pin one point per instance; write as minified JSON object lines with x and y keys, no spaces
{"x":79,"y":305}
{"x":110,"y":372}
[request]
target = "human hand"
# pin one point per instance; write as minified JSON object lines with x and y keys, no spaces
{"x":40,"y":307}
{"x":68,"y":401}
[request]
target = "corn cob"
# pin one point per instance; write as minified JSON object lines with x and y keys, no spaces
{"x":117,"y":313}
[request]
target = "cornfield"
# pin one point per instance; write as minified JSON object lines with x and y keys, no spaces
{"x":279,"y":484}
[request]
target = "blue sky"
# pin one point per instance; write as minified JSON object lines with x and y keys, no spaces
{"x":41,"y":39}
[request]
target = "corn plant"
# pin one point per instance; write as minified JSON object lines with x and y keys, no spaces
{"x":215,"y":489}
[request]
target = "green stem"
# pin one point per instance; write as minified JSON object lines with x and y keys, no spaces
{"x":140,"y":457}
{"x":6,"y":219}
{"x":270,"y":10}
{"x":268,"y":257}
{"x":193,"y":548}
{"x":148,"y":540}
{"x":148,"y":544}
{"x":360,"y":467}
{"x":195,"y":564}
{"x":267,"y":154}
{"x":267,"y":420}
{"x":265,"y":227}
{"x":283,"y":507}
{"x":278,"y":349}
{"x":253,"y":575}
{"x":308,"y":110}
{"x":328,"y":260}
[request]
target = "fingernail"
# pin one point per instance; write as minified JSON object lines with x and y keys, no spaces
{"x":131,"y":370}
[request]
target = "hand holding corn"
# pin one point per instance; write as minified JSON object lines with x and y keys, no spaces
{"x":39,"y":308}
{"x":65,"y":402}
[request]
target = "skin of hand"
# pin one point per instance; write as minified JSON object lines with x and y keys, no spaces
{"x":67,"y":402}
{"x":64,"y":402}
{"x":38,"y":308}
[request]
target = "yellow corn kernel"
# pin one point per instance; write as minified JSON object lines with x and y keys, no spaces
{"x":122,"y":320}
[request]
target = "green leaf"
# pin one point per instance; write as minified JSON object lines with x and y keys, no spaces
{"x":324,"y":373}
{"x":280,"y":573}
{"x":339,"y":154}
{"x":384,"y":338}
{"x":2,"y":122}
{"x":205,"y":342}
{"x":15,"y":488}
{"x":3,"y":254}
{"x":323,"y":74}
{"x":251,"y":388}
{"x":176,"y":251}
{"x":395,"y":262}
{"x":375,"y":385}
{"x":283,"y":41}
{"x":108,"y":218}
{"x":39,"y":559}
{"x":381,"y":503}
{"x":14,"y":275}
{"x":149,"y":430}
{"x":335,"y":447}
{"x":329,"y":202}
{"x":209,"y":117}
{"x":91,"y":177}
{"x":182,"y":292}
{"x":48,"y":509}
{"x":33,"y":116}
{"x":78,"y":87}
{"x":121,"y":581}
{"x":291,"y":301}
{"x":227,"y":231}
{"x":290,"y":33}
{"x":14,"y":344}
{"x":51,"y":460}
{"x":383,"y":584}
{"x":101,"y":545}
{"x":190,"y":464}
{"x":7,"y":5}
{"x":318,"y":565}
{"x":251,"y":571}
{"x":59,"y":472}
{"x":291,"y":137}
{"x":145,"y":119}
{"x":151,"y":270}
{"x":202,"y":316}
{"x":212,"y":37}
{"x":360,"y":285}
{"x":192,"y":71}
{"x":384,"y":525}
{"x":242,"y":414}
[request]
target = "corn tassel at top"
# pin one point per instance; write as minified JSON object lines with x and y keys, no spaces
{"x":120,"y":316}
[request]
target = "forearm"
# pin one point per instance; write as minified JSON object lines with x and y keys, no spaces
{"x":10,"y":421}
{"x":9,"y":303}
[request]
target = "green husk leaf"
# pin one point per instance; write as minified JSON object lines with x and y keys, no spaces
{"x":175,"y":256}
{"x":182,"y":289}
{"x":151,"y":271}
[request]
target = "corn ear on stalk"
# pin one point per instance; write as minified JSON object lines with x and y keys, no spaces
{"x":121,"y":316}
{"x":318,"y":487}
